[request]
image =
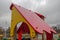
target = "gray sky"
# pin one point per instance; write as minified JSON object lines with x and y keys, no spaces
{"x":5,"y":13}
{"x":49,"y":8}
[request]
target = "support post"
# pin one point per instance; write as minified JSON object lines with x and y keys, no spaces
{"x":20,"y":35}
{"x":43,"y":36}
{"x":49,"y":36}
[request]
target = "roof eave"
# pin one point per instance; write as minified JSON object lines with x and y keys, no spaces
{"x":11,"y":6}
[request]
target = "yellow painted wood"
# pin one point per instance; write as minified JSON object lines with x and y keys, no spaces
{"x":17,"y":18}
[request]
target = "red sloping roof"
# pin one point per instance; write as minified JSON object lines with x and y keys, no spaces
{"x":34,"y":20}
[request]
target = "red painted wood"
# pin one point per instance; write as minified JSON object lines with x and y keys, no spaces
{"x":24,"y":28}
{"x":49,"y":36}
{"x":41,"y":16}
{"x":20,"y":35}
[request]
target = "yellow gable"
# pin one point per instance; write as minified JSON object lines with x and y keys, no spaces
{"x":17,"y":18}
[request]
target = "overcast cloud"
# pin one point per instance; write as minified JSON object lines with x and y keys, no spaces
{"x":49,"y":8}
{"x":5,"y":13}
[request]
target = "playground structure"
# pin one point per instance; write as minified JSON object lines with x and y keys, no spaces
{"x":32,"y":24}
